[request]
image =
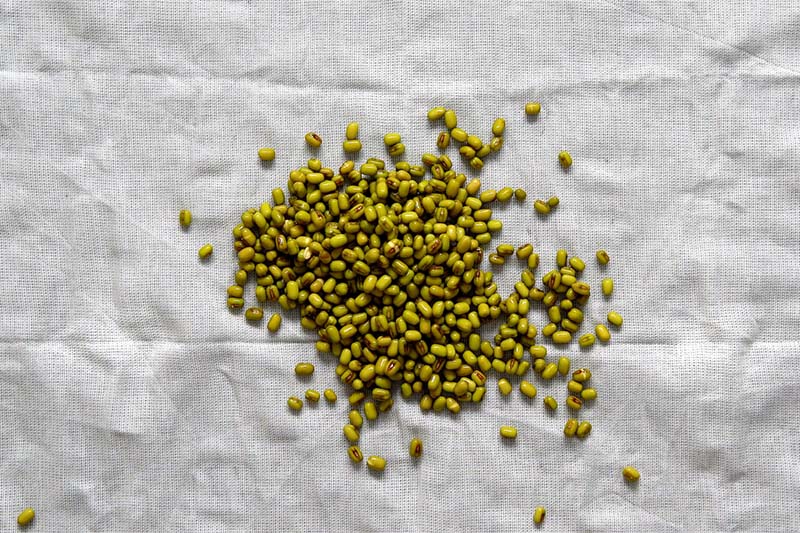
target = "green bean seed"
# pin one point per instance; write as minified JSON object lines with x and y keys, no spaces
{"x":354,"y":452}
{"x":185,"y":218}
{"x":274,"y":323}
{"x":508,"y":432}
{"x":565,"y":159}
{"x":582,"y":375}
{"x":330,"y":395}
{"x":553,"y":201}
{"x":498,"y":127}
{"x":602,"y":332}
{"x":356,"y":419}
{"x":586,"y":340}
{"x":615,"y":318}
{"x":476,"y":163}
{"x":573,"y":402}
{"x":254,"y":313}
{"x":450,"y":119}
{"x":495,"y":144}
{"x":443,"y":140}
{"x":304,"y":369}
{"x":608,"y":286}
{"x":602,"y":257}
{"x":574,"y":387}
{"x":313,"y":140}
{"x":390,"y":139}
{"x":561,"y":337}
{"x":312,"y":395}
{"x":396,"y":150}
{"x":351,"y":433}
{"x":352,"y":145}
{"x":205,"y":251}
{"x":584,"y":428}
{"x":570,"y":428}
{"x":577,"y":263}
{"x":520,"y":195}
{"x":528,"y":389}
{"x":459,"y":135}
{"x":504,"y":386}
{"x":630,"y":473}
{"x":376,"y":463}
{"x":563,"y":365}
{"x":27,"y":515}
{"x":294,"y":403}
{"x":533,"y":108}
{"x":370,"y":410}
{"x":351,"y":132}
{"x":589,"y":394}
{"x":538,"y":515}
{"x":436,"y":113}
{"x":550,"y":371}
{"x":551,"y":402}
{"x":235,"y":303}
{"x":541,"y":207}
{"x":505,"y":194}
{"x":415,"y":448}
{"x":266,"y":154}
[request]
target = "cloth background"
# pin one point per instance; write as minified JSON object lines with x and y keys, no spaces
{"x":132,"y":399}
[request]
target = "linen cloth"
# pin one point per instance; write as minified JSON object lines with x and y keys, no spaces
{"x":131,"y":399}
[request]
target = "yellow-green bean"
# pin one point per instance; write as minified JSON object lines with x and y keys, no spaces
{"x":351,"y":132}
{"x":266,"y":154}
{"x":415,"y":448}
{"x":533,"y":108}
{"x":274,"y":323}
{"x":589,"y":394}
{"x":354,"y":452}
{"x":498,"y":127}
{"x":330,"y":395}
{"x":508,"y":432}
{"x":436,"y":113}
{"x":565,"y":159}
{"x":376,"y":463}
{"x":351,"y":432}
{"x":563,"y":365}
{"x":294,"y":403}
{"x":602,"y":332}
{"x":352,"y":145}
{"x":538,"y":515}
{"x":608,"y":286}
{"x":312,"y":395}
{"x":630,"y":473}
{"x":551,"y":402}
{"x":615,"y":318}
{"x":205,"y":251}
{"x":602,"y":257}
{"x":570,"y":428}
{"x":528,"y":389}
{"x":304,"y":369}
{"x":584,"y":428}
{"x":185,"y":218}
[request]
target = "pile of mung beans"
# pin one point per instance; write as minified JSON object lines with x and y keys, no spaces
{"x":384,"y":263}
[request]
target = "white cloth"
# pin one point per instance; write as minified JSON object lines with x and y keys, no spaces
{"x":133,"y":400}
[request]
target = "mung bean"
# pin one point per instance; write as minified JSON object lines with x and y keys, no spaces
{"x":254,"y":313}
{"x":589,"y":394}
{"x":294,"y":403}
{"x":351,"y":132}
{"x":498,"y":127}
{"x":584,"y":428}
{"x":205,"y":251}
{"x":354,"y":452}
{"x":602,"y":332}
{"x":508,"y":432}
{"x":630,"y":473}
{"x":312,"y":395}
{"x":538,"y":515}
{"x":570,"y":428}
{"x":274,"y":323}
{"x":563,"y":365}
{"x":376,"y":463}
{"x":586,"y":340}
{"x":330,"y":395}
{"x":266,"y":154}
{"x":565,"y":159}
{"x":304,"y":369}
{"x":528,"y":389}
{"x":615,"y":318}
{"x":185,"y":218}
{"x":533,"y":108}
{"x":26,"y":517}
{"x":608,"y":286}
{"x":450,"y":119}
{"x":436,"y":113}
{"x":504,"y":386}
{"x":415,"y":448}
{"x":602,"y":257}
{"x":313,"y":140}
{"x":551,"y":402}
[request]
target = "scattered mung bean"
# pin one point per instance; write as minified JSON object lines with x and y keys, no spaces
{"x":615,"y":318}
{"x":504,"y":386}
{"x":565,"y":159}
{"x":630,"y":473}
{"x":551,"y":402}
{"x":205,"y":251}
{"x":354,"y":452}
{"x":294,"y":403}
{"x":589,"y":394}
{"x":313,"y":140}
{"x":274,"y":323}
{"x":376,"y":463}
{"x":312,"y":395}
{"x":185,"y":218}
{"x":602,"y":332}
{"x":304,"y":369}
{"x":508,"y":432}
{"x":608,"y":286}
{"x":415,"y":448}
{"x":538,"y":515}
{"x":330,"y":395}
{"x":584,"y":428}
{"x":533,"y":108}
{"x":26,"y":517}
{"x":570,"y":428}
{"x":266,"y":154}
{"x":528,"y":389}
{"x":602,"y":257}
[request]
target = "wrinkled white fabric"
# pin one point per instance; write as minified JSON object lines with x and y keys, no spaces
{"x":132,"y":399}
